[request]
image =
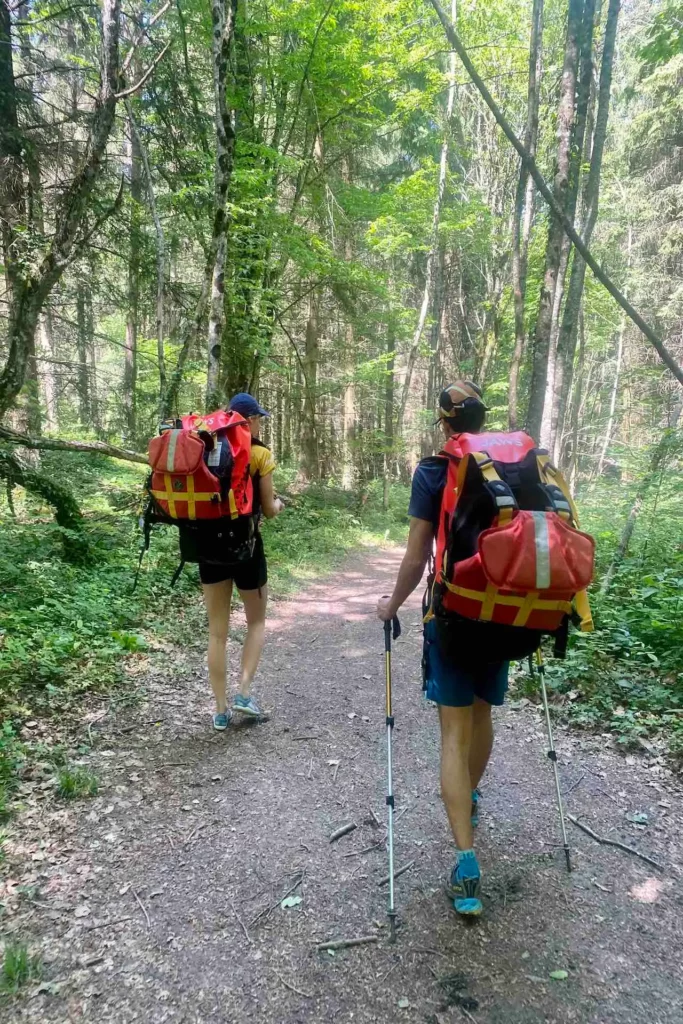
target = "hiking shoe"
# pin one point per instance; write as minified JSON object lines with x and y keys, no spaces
{"x":221,"y":720}
{"x":247,"y":706}
{"x":476,"y":797}
{"x":464,"y":886}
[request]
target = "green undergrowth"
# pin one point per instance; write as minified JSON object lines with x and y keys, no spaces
{"x":68,"y":628}
{"x":627,"y":677}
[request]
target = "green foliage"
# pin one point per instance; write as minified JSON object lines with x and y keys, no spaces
{"x":10,"y":758}
{"x":627,"y":677}
{"x":74,"y":782}
{"x":19,"y":967}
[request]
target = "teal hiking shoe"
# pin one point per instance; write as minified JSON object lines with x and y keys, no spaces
{"x":221,"y":720}
{"x":465,"y":885}
{"x":476,"y":797}
{"x":248,"y":706}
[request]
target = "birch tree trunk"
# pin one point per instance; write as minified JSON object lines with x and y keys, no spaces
{"x":434,"y":238}
{"x":83,"y":345}
{"x":309,"y":436}
{"x":524,"y":208}
{"x":617,"y":370}
{"x":566,"y":345}
{"x":565,"y":125}
{"x":223,"y":14}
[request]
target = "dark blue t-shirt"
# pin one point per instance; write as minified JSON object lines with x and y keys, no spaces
{"x":429,"y":481}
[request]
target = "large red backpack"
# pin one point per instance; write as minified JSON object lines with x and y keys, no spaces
{"x":200,"y":482}
{"x":511,"y":564}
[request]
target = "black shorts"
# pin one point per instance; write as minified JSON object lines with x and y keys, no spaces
{"x":249,"y":575}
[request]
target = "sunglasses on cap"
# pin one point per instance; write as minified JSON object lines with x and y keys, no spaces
{"x":448,"y":404}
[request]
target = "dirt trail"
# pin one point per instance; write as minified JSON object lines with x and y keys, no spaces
{"x":159,"y":900}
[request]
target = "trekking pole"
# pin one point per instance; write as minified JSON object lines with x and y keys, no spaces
{"x":551,"y":751}
{"x":393,"y":626}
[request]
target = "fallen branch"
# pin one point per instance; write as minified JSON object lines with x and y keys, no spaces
{"x":401,"y":871}
{"x":292,"y":988}
{"x":343,"y":831}
{"x":361,"y":940}
{"x":107,"y":924}
{"x":267,"y":911}
{"x":143,"y":909}
{"x":54,"y":444}
{"x":614,"y":842}
{"x":242,"y":924}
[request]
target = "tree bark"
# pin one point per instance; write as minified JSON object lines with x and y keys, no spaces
{"x":223,"y":14}
{"x":30,"y":287}
{"x":565,"y":125}
{"x":566,"y":345}
{"x":130,"y":364}
{"x":524,"y":208}
{"x":83,"y":347}
{"x":53,"y":444}
{"x":617,"y":372}
{"x":591,"y":18}
{"x":160,"y":254}
{"x":434,"y":239}
{"x":309,"y":438}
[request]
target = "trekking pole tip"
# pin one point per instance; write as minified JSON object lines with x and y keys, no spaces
{"x":569,"y":859}
{"x":392,"y":925}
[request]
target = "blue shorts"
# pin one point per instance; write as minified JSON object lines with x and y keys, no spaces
{"x":456,"y":686}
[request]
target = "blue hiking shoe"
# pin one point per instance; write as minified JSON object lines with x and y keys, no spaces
{"x":221,"y":720}
{"x":476,"y":797}
{"x":465,"y":885}
{"x":248,"y":706}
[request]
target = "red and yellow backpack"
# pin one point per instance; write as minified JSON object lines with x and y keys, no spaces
{"x":511,"y":564}
{"x":200,"y":482}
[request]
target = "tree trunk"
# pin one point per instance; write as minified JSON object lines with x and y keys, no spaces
{"x":309,"y":438}
{"x":160,"y":254}
{"x":524,"y":208}
{"x":130,"y":364}
{"x":223,"y":14}
{"x":580,"y":387}
{"x":617,"y":371}
{"x":83,"y":346}
{"x":566,"y":345}
{"x":657,"y":462}
{"x":434,"y":238}
{"x":565,"y":124}
{"x":585,"y":92}
{"x":48,"y":353}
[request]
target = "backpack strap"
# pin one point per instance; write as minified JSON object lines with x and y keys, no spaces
{"x":500,"y":492}
{"x":547,"y":469}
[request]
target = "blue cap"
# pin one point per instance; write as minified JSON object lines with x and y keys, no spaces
{"x":246,"y":405}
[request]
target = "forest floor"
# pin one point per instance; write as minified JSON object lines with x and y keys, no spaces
{"x":161,"y":899}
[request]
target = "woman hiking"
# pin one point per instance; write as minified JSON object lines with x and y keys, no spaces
{"x":250,"y":578}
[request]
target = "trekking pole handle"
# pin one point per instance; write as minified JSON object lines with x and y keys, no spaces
{"x":391,"y":626}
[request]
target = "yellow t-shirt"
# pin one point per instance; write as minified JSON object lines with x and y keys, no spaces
{"x":262,"y":461}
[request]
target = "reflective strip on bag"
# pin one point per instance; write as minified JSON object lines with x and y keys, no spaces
{"x":542,"y":551}
{"x":170,"y":454}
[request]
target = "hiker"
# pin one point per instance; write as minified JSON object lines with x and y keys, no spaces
{"x":463,"y":693}
{"x":250,"y":577}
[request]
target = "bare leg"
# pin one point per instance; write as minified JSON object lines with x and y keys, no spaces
{"x":217,"y":598}
{"x":482,"y":740}
{"x":255,"y":609}
{"x":456,"y":784}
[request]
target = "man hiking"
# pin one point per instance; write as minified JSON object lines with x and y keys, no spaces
{"x":463,"y":691}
